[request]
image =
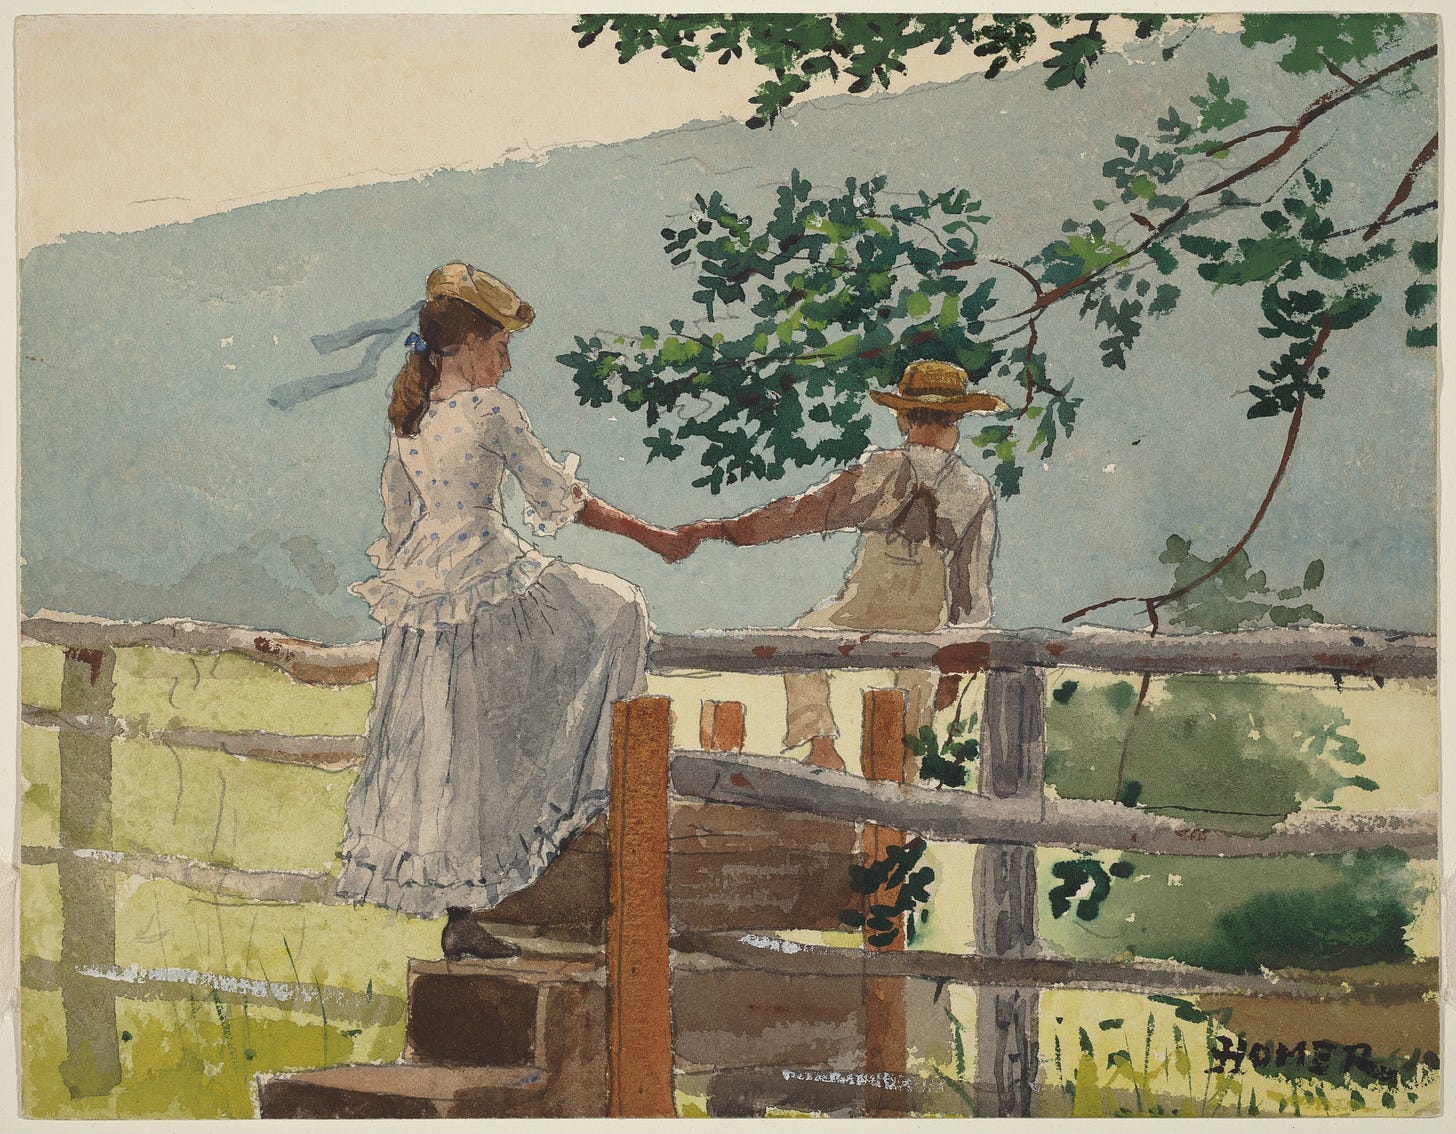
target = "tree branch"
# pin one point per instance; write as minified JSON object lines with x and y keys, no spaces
{"x":1142,"y":698}
{"x":1413,"y":211}
{"x":1022,"y":272}
{"x":1292,"y":135}
{"x":1335,"y":71}
{"x":1296,"y":418}
{"x":1026,"y":370}
{"x":1406,"y":184}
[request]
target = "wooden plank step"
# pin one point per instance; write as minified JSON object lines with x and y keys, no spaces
{"x":733,"y":867}
{"x":404,"y":1090}
{"x":489,"y":1013}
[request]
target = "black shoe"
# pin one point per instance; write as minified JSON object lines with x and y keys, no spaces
{"x":464,"y":937}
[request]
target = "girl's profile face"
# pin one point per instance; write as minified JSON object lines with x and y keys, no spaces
{"x":490,"y":358}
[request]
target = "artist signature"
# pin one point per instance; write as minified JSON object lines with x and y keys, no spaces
{"x":1229,"y":1056}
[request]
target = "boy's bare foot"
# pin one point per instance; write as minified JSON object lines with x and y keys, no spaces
{"x":823,"y":754}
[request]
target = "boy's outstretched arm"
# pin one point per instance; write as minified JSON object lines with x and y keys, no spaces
{"x":827,"y":507}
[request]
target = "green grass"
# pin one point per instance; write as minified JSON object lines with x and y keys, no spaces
{"x":186,"y":1059}
{"x":195,"y":1057}
{"x":159,"y":689}
{"x":214,"y":807}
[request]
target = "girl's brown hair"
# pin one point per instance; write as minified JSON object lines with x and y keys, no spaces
{"x":444,"y":323}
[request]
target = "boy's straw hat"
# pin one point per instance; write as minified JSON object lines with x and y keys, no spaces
{"x":932,"y":385}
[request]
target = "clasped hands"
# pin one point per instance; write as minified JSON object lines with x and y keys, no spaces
{"x":676,"y":544}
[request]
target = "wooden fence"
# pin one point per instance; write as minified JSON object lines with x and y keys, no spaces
{"x":1008,"y":816}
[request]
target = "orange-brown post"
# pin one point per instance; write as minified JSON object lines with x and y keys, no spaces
{"x":721,"y":726}
{"x":882,"y":756}
{"x":639,"y":1009}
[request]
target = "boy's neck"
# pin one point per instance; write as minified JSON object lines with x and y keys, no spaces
{"x":936,"y":436}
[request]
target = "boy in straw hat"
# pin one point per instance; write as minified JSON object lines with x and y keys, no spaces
{"x":928,"y":528}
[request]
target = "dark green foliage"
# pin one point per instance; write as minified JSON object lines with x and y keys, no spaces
{"x":895,"y":871}
{"x":1317,"y":42}
{"x":943,"y":762}
{"x":1420,"y":297}
{"x":830,"y":298}
{"x":1063,"y":692}
{"x":1217,"y":111}
{"x":1295,"y":241}
{"x":1237,"y":754}
{"x":833,"y":295}
{"x":869,"y":49}
{"x":1075,"y":874}
{"x":1189,"y":1012}
{"x":1239,"y":915}
{"x":1333,"y":928}
{"x":1237,"y":597}
{"x":1423,"y":255}
{"x":1294,"y":246}
{"x":1140,"y":175}
{"x":1072,"y":58}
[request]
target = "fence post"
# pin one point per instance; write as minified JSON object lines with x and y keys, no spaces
{"x":1004,"y":892}
{"x":639,"y":1010}
{"x":721,"y":726}
{"x":88,"y":888}
{"x":882,"y":757}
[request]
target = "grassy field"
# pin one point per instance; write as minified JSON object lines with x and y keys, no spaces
{"x":194,"y":1052}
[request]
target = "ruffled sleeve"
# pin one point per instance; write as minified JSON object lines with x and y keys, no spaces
{"x":401,"y":508}
{"x":554,"y":494}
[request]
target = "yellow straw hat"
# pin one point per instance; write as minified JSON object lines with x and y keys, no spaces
{"x":482,"y":291}
{"x":932,"y":385}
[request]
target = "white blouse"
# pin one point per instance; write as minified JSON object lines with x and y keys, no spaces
{"x":446,"y":547}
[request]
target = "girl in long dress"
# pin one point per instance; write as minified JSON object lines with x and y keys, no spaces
{"x":488,"y":743}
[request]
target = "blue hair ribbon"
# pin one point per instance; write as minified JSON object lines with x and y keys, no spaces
{"x":290,"y":394}
{"x":417,"y":344}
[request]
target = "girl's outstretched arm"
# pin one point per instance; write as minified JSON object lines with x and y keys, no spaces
{"x":670,"y":544}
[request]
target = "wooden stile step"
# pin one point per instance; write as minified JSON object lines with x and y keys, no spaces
{"x":405,"y":1090}
{"x":491,"y":1013}
{"x":733,"y":867}
{"x":520,"y":1037}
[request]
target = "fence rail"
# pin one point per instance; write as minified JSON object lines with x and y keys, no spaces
{"x":1317,"y":649}
{"x":1074,"y":824}
{"x":1007,"y":817}
{"x":1414,"y":982}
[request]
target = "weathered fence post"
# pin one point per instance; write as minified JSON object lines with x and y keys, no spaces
{"x":639,"y":1008}
{"x":721,"y":726}
{"x":882,"y":757}
{"x":1004,"y":893}
{"x":88,"y":887}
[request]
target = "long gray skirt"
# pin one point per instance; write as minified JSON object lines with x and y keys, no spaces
{"x":489,"y":744}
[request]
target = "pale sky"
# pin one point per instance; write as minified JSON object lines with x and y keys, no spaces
{"x":124,"y":122}
{"x":128,"y":121}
